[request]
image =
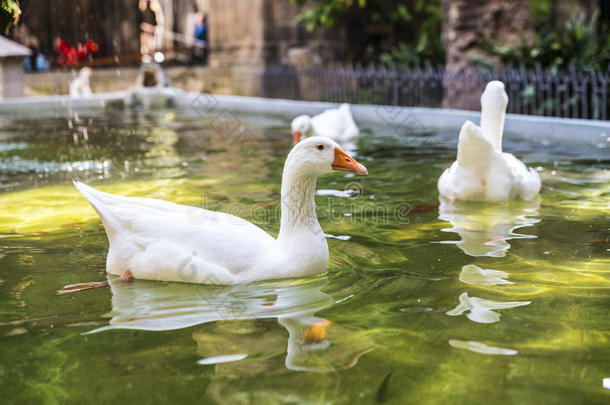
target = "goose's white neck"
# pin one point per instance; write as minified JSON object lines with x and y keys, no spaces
{"x":493,"y":113}
{"x":298,"y":207}
{"x":492,"y":124}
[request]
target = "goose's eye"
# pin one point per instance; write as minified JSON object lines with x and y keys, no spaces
{"x":320,"y":147}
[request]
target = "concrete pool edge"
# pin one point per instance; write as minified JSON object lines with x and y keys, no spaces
{"x":414,"y":119}
{"x":61,"y":101}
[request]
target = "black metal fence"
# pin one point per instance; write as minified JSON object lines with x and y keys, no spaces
{"x":571,"y":93}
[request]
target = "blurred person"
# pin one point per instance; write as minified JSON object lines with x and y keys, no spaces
{"x":42,"y":63}
{"x":27,"y":64}
{"x":190,"y":24}
{"x":79,"y":87}
{"x":147,"y":27}
{"x":33,"y":45}
{"x":159,"y":31}
{"x":201,"y":30}
{"x":201,"y":34}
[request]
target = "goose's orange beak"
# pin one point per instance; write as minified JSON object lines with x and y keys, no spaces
{"x":345,"y":163}
{"x":296,"y":137}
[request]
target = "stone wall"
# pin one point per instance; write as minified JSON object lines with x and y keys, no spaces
{"x":236,"y":32}
{"x":261,"y":32}
{"x":466,"y":25}
{"x":249,"y":36}
{"x":200,"y":79}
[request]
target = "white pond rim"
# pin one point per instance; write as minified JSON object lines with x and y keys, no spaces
{"x":564,"y":130}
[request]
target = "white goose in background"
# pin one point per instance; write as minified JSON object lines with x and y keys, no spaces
{"x":79,"y":86}
{"x":159,"y":240}
{"x":482,"y":172}
{"x":336,"y":124}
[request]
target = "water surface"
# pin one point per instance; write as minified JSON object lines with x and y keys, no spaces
{"x":422,"y":303}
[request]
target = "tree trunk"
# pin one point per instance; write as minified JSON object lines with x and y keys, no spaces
{"x":467,"y":26}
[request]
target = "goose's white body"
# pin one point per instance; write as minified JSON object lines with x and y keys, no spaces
{"x":160,"y":240}
{"x":482,"y":172}
{"x":336,"y":124}
{"x":79,"y":87}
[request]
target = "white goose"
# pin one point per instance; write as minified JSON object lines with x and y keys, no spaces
{"x":337,"y":124}
{"x":159,"y":240}
{"x":79,"y":87}
{"x":482,"y":172}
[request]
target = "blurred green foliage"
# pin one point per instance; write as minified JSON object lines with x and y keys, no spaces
{"x":578,"y":44}
{"x":427,"y":46}
{"x":9,"y":14}
{"x":411,"y":28}
{"x":414,"y":36}
{"x":328,"y":13}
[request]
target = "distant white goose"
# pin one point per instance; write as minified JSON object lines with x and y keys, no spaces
{"x":336,"y":124}
{"x":79,"y":86}
{"x":482,"y":172}
{"x":159,"y":240}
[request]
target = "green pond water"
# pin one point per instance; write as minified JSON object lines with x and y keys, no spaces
{"x":466,"y":304}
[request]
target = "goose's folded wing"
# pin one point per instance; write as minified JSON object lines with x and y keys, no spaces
{"x":153,"y":206}
{"x":120,"y":212}
{"x":474,"y":148}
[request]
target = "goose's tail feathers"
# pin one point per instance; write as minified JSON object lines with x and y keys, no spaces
{"x":95,"y":198}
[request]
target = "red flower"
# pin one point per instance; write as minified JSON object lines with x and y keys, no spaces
{"x":71,"y":57}
{"x":81,"y":52}
{"x":92,"y":47}
{"x":63,"y":46}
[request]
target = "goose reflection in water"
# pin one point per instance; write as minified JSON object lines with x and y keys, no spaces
{"x":484,"y":229}
{"x":482,"y":310}
{"x":157,"y":306}
{"x":473,"y":274}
